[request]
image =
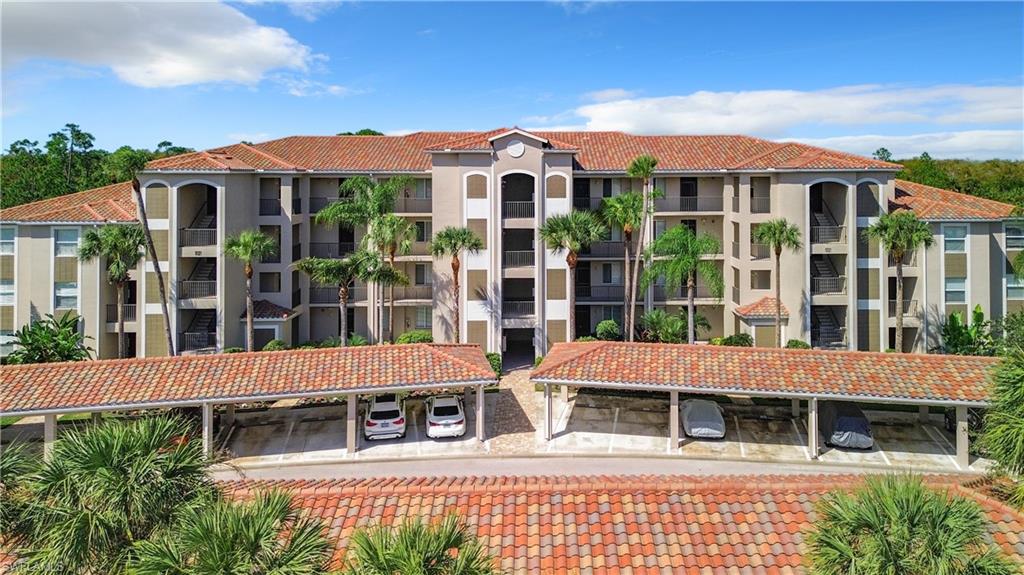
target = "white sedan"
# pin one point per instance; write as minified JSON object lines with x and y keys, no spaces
{"x":385,"y":419}
{"x":703,"y":419}
{"x":445,"y":416}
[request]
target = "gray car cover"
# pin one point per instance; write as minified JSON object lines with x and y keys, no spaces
{"x":703,"y":419}
{"x":844,"y":425}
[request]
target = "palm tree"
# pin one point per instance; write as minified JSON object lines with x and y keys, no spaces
{"x":264,"y":536}
{"x":363,"y":200}
{"x":247,"y":247}
{"x":778,"y":234}
{"x":50,"y":340}
{"x":679,"y":256}
{"x":121,"y":246}
{"x":444,"y":548}
{"x":382,"y":275}
{"x":1003,"y":432}
{"x":341,"y":273}
{"x":641,"y":167}
{"x":151,"y":249}
{"x":900,"y":233}
{"x":895,"y":524}
{"x":625,"y":211}
{"x":105,"y":488}
{"x":450,"y":242}
{"x":571,"y":232}
{"x":390,"y":235}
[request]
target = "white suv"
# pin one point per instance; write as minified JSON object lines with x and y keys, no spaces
{"x":385,"y":419}
{"x":445,"y":416}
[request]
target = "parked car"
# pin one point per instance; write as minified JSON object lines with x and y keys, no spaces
{"x":445,"y":416}
{"x":703,"y":419}
{"x":385,"y":419}
{"x":844,"y":425}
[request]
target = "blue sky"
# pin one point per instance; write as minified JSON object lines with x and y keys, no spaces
{"x":944,"y":78}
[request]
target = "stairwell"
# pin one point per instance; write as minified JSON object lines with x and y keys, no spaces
{"x":826,"y":329}
{"x":201,"y":332}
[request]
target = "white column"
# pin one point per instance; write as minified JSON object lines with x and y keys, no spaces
{"x":548,"y":431}
{"x":794,"y":406}
{"x":673,"y":421}
{"x":351,"y":402}
{"x":812,"y":427}
{"x":229,"y":416}
{"x":207,"y":410}
{"x":481,"y":429}
{"x":963,"y":454}
{"x":467,"y":397}
{"x":49,"y":435}
{"x":563,"y":393}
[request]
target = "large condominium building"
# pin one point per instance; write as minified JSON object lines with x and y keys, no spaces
{"x":837,"y":292}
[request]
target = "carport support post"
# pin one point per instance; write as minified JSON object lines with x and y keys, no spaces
{"x":922,"y":413}
{"x":548,"y":432}
{"x":812,"y":427}
{"x":963,"y":454}
{"x":351,"y":402}
{"x":673,"y":421}
{"x":229,"y":416}
{"x":49,"y":435}
{"x":481,"y":433}
{"x":794,"y":406}
{"x":207,"y":429}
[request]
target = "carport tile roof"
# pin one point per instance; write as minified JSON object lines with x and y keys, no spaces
{"x":609,"y":524}
{"x":767,"y":371}
{"x":762,"y":308}
{"x":192,"y":379}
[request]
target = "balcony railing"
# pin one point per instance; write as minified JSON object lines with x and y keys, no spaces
{"x":909,"y":307}
{"x":828,"y":285}
{"x":193,"y":289}
{"x":195,"y":340}
{"x":331,"y":249}
{"x":517,"y":209}
{"x":414,"y":205}
{"x":736,"y":204}
{"x":689,"y":204}
{"x":828,"y":337}
{"x":828,"y":234}
{"x":605,"y":249}
{"x":411,"y":292}
{"x":197,"y":237}
{"x":909,"y":260}
{"x":760,"y":204}
{"x":760,"y":251}
{"x":663,"y":293}
{"x":517,"y":258}
{"x":517,"y":308}
{"x":606,"y":292}
{"x":583,"y":203}
{"x":329,"y":295}
{"x":316,"y":203}
{"x":270,"y":207}
{"x":129,"y":312}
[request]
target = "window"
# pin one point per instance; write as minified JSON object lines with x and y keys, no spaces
{"x":1014,"y":287}
{"x":610,"y":312}
{"x":423,"y":318}
{"x":65,"y":243}
{"x":688,"y":187}
{"x":423,"y":231}
{"x":955,"y":239}
{"x":6,"y":292}
{"x":610,"y":274}
{"x":606,"y":188}
{"x":274,"y":232}
{"x":423,"y":277}
{"x":424,"y":188}
{"x":65,"y":295}
{"x":7,"y":340}
{"x":270,"y":282}
{"x":956,"y":290}
{"x":1014,"y":237}
{"x":6,"y":240}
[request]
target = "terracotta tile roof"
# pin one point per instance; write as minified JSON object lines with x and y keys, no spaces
{"x":931,"y":203}
{"x":608,"y":524}
{"x":192,"y":379}
{"x":113,"y":203}
{"x":263,"y":309}
{"x":482,"y":140}
{"x":771,"y":371}
{"x":760,"y":309}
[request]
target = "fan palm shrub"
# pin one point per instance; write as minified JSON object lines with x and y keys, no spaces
{"x":50,"y":339}
{"x":1003,"y":435}
{"x":443,"y":548}
{"x":681,"y":257}
{"x":342,"y":273}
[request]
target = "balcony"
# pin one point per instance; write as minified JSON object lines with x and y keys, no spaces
{"x":196,"y":340}
{"x":909,"y":308}
{"x":413,"y":205}
{"x":517,"y":308}
{"x":518,"y":258}
{"x":606,"y":292}
{"x":517,"y":209}
{"x":129,"y":312}
{"x":735,"y":204}
{"x":689,"y":204}
{"x":316,"y":204}
{"x":760,"y":251}
{"x":332,"y":250}
{"x":828,"y":234}
{"x":828,"y":285}
{"x":417,"y":292}
{"x":760,"y":204}
{"x":329,"y":295}
{"x":827,"y":337}
{"x":196,"y":237}
{"x":197,"y":289}
{"x":588,"y":204}
{"x":270,"y":207}
{"x":605,"y":249}
{"x":663,"y":293}
{"x":909,"y":260}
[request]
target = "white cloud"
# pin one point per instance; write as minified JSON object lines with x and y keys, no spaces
{"x":248,"y":137}
{"x":972,"y":144}
{"x":152,"y":44}
{"x":609,"y":95}
{"x":426,"y":32}
{"x":311,"y":11}
{"x":303,"y":87}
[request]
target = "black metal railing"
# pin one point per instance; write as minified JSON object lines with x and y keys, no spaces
{"x":196,"y":340}
{"x":689,"y":204}
{"x":129,"y":312}
{"x":193,"y":289}
{"x":828,"y":285}
{"x":760,"y":204}
{"x":517,"y":258}
{"x":517,"y":209}
{"x":270,"y":206}
{"x":195,"y":237}
{"x":604,"y":292}
{"x":517,"y":308}
{"x":605,"y":249}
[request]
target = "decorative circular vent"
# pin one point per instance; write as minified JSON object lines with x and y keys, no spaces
{"x":516,"y":148}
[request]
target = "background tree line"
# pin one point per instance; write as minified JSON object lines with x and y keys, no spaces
{"x":1000,"y":180}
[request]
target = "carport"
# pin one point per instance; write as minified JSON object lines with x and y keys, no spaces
{"x":206,"y":381}
{"x":805,"y":377}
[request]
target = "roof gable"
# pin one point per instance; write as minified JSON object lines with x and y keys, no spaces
{"x":113,"y":203}
{"x":931,"y":203}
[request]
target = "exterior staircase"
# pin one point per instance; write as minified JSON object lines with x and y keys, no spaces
{"x":826,"y":329}
{"x":201,"y":332}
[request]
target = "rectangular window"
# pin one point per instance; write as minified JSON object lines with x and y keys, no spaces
{"x":659,"y":228}
{"x":6,"y":292}
{"x":423,"y":277}
{"x":6,"y":240}
{"x":956,"y":290}
{"x":270,"y":282}
{"x":274,"y":232}
{"x":65,"y":295}
{"x":954,"y":239}
{"x":1014,"y":287}
{"x":424,"y":188}
{"x":423,"y":231}
{"x":423,"y":320}
{"x":611,"y":274}
{"x":65,"y":243}
{"x":688,"y":187}
{"x":612,"y":312}
{"x":1014,"y":236}
{"x":606,"y":188}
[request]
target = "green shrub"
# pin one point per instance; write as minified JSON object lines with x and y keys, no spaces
{"x":495,"y":360}
{"x":332,"y":341}
{"x":608,"y":330}
{"x":416,"y":336}
{"x":586,"y":338}
{"x":537,"y":360}
{"x":717,"y":341}
{"x":275,"y":345}
{"x":739,"y":340}
{"x":797,"y":344}
{"x":233,"y":350}
{"x":356,"y":340}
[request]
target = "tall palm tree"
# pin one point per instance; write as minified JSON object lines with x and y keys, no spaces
{"x":362,"y":200}
{"x":443,"y":548}
{"x":121,"y":246}
{"x":900,"y":233}
{"x":390,"y":235}
{"x":625,"y":211}
{"x":896,"y":524}
{"x":571,"y":232}
{"x":382,"y":275}
{"x":641,"y":167}
{"x":778,"y":234}
{"x":451,"y":242}
{"x":680,"y":256}
{"x":267,"y":535}
{"x":1003,"y":432}
{"x":105,"y":488}
{"x":342,"y":273}
{"x":151,"y":250}
{"x":247,"y":247}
